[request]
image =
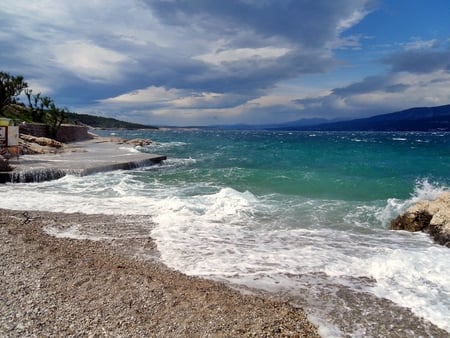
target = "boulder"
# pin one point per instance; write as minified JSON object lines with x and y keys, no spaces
{"x":432,"y":217}
{"x":42,"y":141}
{"x":30,"y":145}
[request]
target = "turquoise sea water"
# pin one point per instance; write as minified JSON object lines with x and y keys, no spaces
{"x":349,"y":166}
{"x":300,"y":215}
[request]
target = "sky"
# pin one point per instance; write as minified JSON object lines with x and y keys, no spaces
{"x":209,"y":62}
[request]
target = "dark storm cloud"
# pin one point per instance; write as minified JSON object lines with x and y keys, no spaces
{"x":249,"y":76}
{"x":310,"y":23}
{"x":419,"y":61}
{"x":371,"y":84}
{"x":86,"y":52}
{"x":303,"y":27}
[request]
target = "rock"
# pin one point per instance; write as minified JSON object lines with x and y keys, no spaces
{"x":42,"y":141}
{"x":139,"y":142}
{"x":115,"y":139}
{"x":432,"y":217}
{"x":30,"y":145}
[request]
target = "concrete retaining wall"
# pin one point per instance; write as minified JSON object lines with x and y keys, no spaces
{"x":35,"y":129}
{"x":67,"y":132}
{"x":72,"y":133}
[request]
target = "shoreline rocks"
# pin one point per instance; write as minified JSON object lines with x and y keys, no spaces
{"x":30,"y":145}
{"x":138,"y":142}
{"x":432,"y":217}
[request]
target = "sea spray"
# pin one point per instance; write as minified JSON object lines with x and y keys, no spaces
{"x":423,"y":190}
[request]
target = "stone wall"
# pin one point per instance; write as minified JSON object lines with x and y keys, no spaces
{"x":72,"y":133}
{"x":66,"y":133}
{"x":35,"y":129}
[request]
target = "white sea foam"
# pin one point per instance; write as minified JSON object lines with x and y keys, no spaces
{"x":109,"y":193}
{"x":424,"y":190}
{"x":162,"y":145}
{"x":130,"y":149}
{"x":69,"y":232}
{"x":263,"y":241}
{"x":179,"y":162}
{"x":217,"y":235}
{"x":417,"y":279}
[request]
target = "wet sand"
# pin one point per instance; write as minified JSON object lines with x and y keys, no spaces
{"x":82,"y":288}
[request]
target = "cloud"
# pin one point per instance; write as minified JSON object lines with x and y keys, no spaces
{"x":227,"y":56}
{"x":311,"y":25}
{"x":417,"y":75}
{"x":419,"y":60}
{"x":417,"y":43}
{"x":89,"y":61}
{"x":381,"y":94}
{"x":202,"y":60}
{"x":159,"y":97}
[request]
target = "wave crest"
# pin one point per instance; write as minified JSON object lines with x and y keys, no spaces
{"x":424,"y":189}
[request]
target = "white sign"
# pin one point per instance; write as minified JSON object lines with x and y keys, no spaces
{"x":13,"y":136}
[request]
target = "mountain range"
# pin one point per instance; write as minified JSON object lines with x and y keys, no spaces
{"x":413,"y":119}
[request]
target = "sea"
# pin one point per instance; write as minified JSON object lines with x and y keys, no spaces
{"x":299,"y":216}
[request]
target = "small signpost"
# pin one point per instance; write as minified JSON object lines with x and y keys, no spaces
{"x":9,"y":138}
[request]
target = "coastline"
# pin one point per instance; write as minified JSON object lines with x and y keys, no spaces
{"x":79,"y":158}
{"x":59,"y":286}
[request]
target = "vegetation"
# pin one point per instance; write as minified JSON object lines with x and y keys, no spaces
{"x":42,"y":109}
{"x":104,"y":122}
{"x":10,"y":88}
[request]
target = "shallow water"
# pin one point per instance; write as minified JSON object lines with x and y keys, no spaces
{"x":300,"y":215}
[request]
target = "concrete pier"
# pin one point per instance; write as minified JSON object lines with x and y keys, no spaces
{"x":81,"y":158}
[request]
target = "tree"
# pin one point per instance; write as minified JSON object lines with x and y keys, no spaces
{"x":55,"y":117}
{"x":10,"y":88}
{"x":45,"y":103}
{"x":42,"y":108}
{"x":38,"y":105}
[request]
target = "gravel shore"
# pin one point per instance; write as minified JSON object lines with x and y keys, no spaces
{"x":63,"y":287}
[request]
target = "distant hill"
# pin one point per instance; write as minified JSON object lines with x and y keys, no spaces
{"x":21,"y":113}
{"x":291,"y":124}
{"x":104,"y":122}
{"x":305,"y":123}
{"x":414,"y":119}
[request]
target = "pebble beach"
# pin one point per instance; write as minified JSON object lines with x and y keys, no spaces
{"x":82,"y":288}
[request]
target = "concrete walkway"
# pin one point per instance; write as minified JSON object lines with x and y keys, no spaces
{"x":81,"y":158}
